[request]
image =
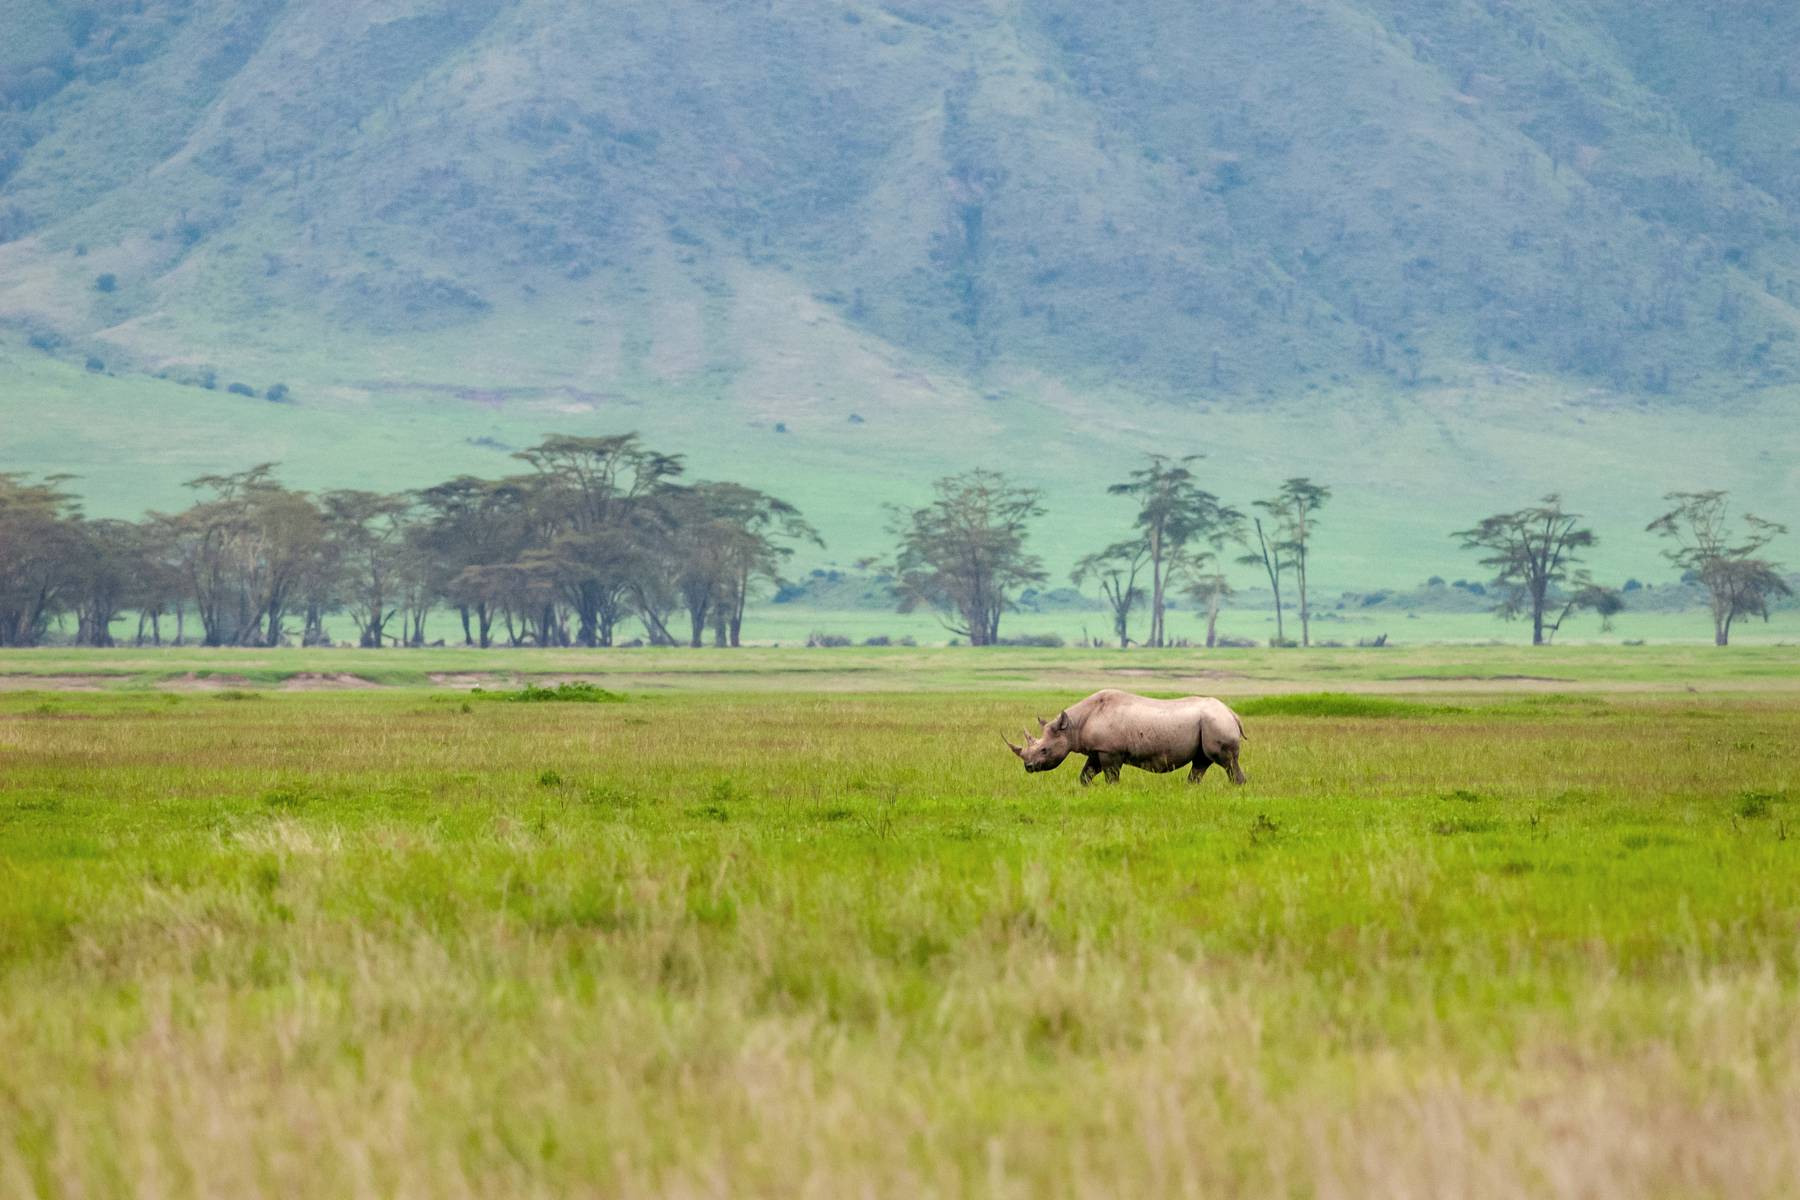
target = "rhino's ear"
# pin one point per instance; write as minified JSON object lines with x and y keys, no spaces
{"x":1062,"y":722}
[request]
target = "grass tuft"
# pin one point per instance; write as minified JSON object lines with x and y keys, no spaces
{"x":1339,"y":704}
{"x":569,"y":692}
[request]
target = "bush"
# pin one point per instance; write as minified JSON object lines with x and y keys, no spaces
{"x":576,"y":692}
{"x":880,"y":639}
{"x":1753,"y":805}
{"x":277,"y":394}
{"x":107,"y":282}
{"x":95,"y":364}
{"x":1041,"y":640}
{"x":827,"y":641}
{"x":240,"y":389}
{"x":1236,"y":643}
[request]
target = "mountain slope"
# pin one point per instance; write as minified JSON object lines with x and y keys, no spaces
{"x":983,"y":229}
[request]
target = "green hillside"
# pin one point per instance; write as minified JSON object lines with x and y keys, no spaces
{"x":1445,"y":257}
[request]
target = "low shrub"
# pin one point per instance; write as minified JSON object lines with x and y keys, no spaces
{"x":575,"y":691}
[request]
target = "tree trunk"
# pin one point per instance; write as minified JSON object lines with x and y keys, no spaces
{"x":587,"y":626}
{"x":1305,"y":615}
{"x":1273,"y":568}
{"x":736,"y":624}
{"x":1156,"y":588}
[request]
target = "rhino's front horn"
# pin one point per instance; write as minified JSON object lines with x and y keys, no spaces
{"x":1015,"y":749}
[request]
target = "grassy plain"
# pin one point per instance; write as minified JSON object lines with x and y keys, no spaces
{"x":794,"y":923}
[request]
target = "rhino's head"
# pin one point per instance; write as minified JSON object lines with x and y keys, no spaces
{"x":1046,"y":751}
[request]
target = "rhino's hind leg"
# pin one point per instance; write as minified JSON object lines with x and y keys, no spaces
{"x":1112,"y":771}
{"x":1231,"y":766}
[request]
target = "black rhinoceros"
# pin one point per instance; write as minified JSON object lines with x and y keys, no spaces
{"x":1116,"y":729}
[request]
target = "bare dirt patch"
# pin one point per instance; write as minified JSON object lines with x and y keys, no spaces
{"x":464,"y":681}
{"x":327,"y":681}
{"x":204,"y":683}
{"x":53,"y":683}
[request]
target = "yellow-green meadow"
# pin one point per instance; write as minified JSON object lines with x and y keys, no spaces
{"x":1484,"y":922}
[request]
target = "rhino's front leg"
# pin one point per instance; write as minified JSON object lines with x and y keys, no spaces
{"x":1091,"y":769}
{"x":1111,"y":768}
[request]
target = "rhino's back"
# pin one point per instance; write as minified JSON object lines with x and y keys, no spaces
{"x":1126,"y":723}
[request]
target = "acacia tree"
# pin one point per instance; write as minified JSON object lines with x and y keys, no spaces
{"x":1534,"y":553}
{"x":369,"y":530}
{"x":598,"y":494}
{"x":211,"y":540}
{"x":40,"y":536}
{"x":727,"y":537}
{"x":1210,"y":590}
{"x":1271,"y":556}
{"x":964,"y":553}
{"x":1173,"y":512}
{"x":1738,"y":583}
{"x":467,"y":523}
{"x":156,"y":589}
{"x":245,"y":553}
{"x":1117,"y":568}
{"x":108,"y":563}
{"x":1292,"y":511}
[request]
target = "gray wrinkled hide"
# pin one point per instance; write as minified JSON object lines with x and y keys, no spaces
{"x":1115,"y":729}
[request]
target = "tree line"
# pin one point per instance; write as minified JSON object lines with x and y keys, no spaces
{"x":964,"y":555}
{"x":599,"y":530}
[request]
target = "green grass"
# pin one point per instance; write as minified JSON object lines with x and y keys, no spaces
{"x":1338,"y":704}
{"x":1425,"y":670}
{"x":767,"y":935}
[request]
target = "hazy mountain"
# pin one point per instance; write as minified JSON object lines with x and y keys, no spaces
{"x":967,"y":218}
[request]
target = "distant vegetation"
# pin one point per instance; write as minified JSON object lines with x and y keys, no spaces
{"x":605,"y":528}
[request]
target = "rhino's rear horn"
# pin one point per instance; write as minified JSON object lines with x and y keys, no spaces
{"x":1042,"y":723}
